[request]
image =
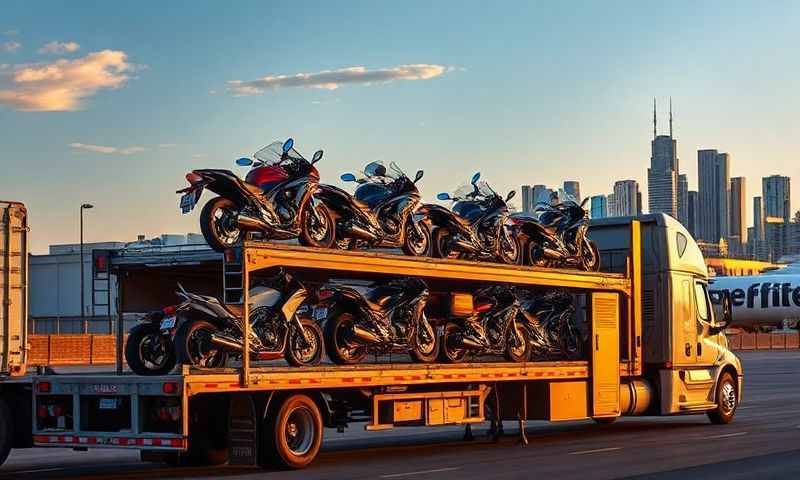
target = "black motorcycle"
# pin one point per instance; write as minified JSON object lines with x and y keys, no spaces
{"x":550,"y":322}
{"x":383,"y":317}
{"x":491,"y":329}
{"x":476,"y":227}
{"x":556,"y":236}
{"x":381,"y":211}
{"x":275,"y":200}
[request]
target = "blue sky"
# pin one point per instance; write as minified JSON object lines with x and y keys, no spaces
{"x":525,"y":92}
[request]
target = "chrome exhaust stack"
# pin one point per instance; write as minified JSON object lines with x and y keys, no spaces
{"x":226,"y":342}
{"x":246,"y":222}
{"x":364,"y":336}
{"x":360,"y":232}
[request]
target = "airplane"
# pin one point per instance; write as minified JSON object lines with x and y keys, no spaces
{"x":768,"y":300}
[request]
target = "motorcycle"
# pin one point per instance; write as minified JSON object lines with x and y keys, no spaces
{"x":149,"y":349}
{"x":476,"y":227}
{"x":382,"y":317}
{"x":381,"y":212}
{"x":491,"y":329}
{"x":550,"y":322}
{"x":556,"y":237}
{"x":274,"y":200}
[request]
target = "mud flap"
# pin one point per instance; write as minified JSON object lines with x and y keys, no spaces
{"x":243,"y":431}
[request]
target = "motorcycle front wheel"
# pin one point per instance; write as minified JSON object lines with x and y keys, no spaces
{"x":339,"y":342}
{"x":510,"y":249}
{"x":535,"y":256}
{"x":590,"y":260}
{"x":148,"y":351}
{"x":417,"y":241}
{"x":440,"y":244}
{"x":424,"y":350}
{"x":518,"y":345}
{"x":194,"y":346}
{"x":301,"y":354}
{"x":218,"y":224}
{"x":317,"y":228}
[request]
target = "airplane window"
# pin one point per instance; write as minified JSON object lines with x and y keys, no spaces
{"x":682,"y":242}
{"x":702,"y":301}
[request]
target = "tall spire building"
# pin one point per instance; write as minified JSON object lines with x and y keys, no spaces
{"x":662,"y":176}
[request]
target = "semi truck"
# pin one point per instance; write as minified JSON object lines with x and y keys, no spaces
{"x":654,"y":346}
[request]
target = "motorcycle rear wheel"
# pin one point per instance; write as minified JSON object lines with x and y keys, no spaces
{"x":439,"y":247}
{"x":217,"y":222}
{"x":317,"y":230}
{"x":299,"y":356}
{"x":194,"y":347}
{"x":535,"y":256}
{"x":141,"y":355}
{"x":517,"y":353}
{"x":449,"y":351}
{"x":341,"y":349}
{"x":426,"y":353}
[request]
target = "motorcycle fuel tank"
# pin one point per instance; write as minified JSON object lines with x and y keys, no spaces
{"x":266,"y":177}
{"x":372,"y":193}
{"x":264,"y":297}
{"x":470,"y":211}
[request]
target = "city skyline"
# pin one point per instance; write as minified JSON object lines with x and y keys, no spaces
{"x":179,"y":92}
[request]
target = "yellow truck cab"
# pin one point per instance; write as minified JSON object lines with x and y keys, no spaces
{"x":683,"y":337}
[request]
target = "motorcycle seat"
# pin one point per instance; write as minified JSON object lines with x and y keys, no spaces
{"x":236,"y":310}
{"x":378,"y":303}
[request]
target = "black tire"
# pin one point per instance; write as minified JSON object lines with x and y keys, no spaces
{"x":416,"y":247}
{"x":727,"y":399}
{"x":604,"y":420}
{"x":517,"y":353}
{"x":139,"y":339}
{"x":512,"y":256}
{"x":449,"y":352}
{"x":297,"y":356}
{"x":591,"y":259}
{"x":6,"y":431}
{"x":293,"y":433}
{"x":427,"y":353}
{"x":439,"y":248}
{"x":326,"y":236}
{"x":572,"y":346}
{"x":339,"y":349}
{"x":535,"y":257}
{"x":194,"y":347}
{"x":219,"y":231}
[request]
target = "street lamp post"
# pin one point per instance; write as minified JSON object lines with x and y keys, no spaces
{"x":85,"y":323}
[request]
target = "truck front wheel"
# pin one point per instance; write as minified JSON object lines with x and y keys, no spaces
{"x":293,"y":435}
{"x":727,"y":399}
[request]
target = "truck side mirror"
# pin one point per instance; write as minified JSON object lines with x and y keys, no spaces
{"x":726,"y":311}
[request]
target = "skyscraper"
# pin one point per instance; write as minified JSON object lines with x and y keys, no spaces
{"x":775,"y":191}
{"x":541,"y":194}
{"x":527,"y":198}
{"x":757,"y":240}
{"x":612,"y":205}
{"x":573,"y":188}
{"x":737,"y":211}
{"x":683,"y":199}
{"x":692,"y":212}
{"x":713,"y":183}
{"x":626,"y":198}
{"x":662,"y":176}
{"x":599,"y":206}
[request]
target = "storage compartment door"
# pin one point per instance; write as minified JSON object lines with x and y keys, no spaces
{"x":605,"y":354}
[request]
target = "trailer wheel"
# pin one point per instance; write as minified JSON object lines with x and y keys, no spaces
{"x":6,"y":431}
{"x":727,"y":399}
{"x":293,"y":435}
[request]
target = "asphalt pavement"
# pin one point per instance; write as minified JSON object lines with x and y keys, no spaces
{"x":762,"y":442}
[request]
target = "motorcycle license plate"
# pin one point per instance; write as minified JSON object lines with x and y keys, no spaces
{"x":320,"y":313}
{"x":168,"y":323}
{"x":189,"y":200}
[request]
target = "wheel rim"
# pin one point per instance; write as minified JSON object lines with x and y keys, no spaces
{"x":347,"y":349}
{"x":727,"y":400}
{"x":153,"y":351}
{"x":451,"y":342}
{"x":200,"y":351}
{"x":299,"y":431}
{"x":224,"y":229}
{"x":510,"y":248}
{"x":417,"y":242}
{"x":518,"y":343}
{"x":425,"y":347}
{"x":317,"y":225}
{"x":306,"y":354}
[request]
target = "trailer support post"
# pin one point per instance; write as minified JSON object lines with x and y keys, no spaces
{"x":523,"y":415}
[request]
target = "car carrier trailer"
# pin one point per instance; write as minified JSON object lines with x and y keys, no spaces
{"x":654,"y":348}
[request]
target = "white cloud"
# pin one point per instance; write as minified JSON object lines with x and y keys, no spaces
{"x":107,"y":150}
{"x":11,"y":32}
{"x":62,"y":85}
{"x":59,"y":47}
{"x":333,"y":79}
{"x":10,"y":47}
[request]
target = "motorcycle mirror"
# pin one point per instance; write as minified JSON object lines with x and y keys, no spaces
{"x":511,"y":195}
{"x":584,"y":202}
{"x":475,"y":178}
{"x":317,"y":156}
{"x":244,"y":162}
{"x":348,"y":177}
{"x":418,"y":175}
{"x":443,"y":196}
{"x":287,"y":145}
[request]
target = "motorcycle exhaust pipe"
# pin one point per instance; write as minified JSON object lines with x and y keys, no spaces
{"x":365,"y":336}
{"x":550,"y":253}
{"x":469,"y":343}
{"x":246,"y":222}
{"x":226,"y":342}
{"x":464,"y":245}
{"x":362,"y":233}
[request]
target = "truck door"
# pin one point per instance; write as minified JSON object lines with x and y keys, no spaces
{"x":605,"y":354}
{"x":706,"y":347}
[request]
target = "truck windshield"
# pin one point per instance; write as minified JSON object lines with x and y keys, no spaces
{"x":702,"y":301}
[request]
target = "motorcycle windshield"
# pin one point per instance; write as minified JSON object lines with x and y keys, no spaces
{"x":478,"y":192}
{"x":377,"y":172}
{"x":272,"y":154}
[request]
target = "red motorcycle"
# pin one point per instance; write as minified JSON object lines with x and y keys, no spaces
{"x":274,"y":201}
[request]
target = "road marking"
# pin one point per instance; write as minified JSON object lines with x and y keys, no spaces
{"x":421,"y":472}
{"x":39,"y":470}
{"x":597,"y":450}
{"x":727,"y":435}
